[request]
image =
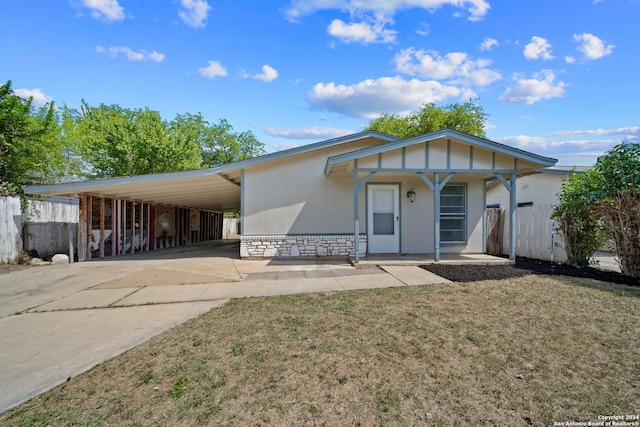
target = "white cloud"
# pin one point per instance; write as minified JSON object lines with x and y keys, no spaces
{"x":268,"y":74}
{"x":569,"y":59}
{"x":592,"y":47}
{"x":539,"y":48}
{"x":477,"y":9}
{"x":525,"y":142}
{"x":456,"y":67}
{"x":131,"y":55}
{"x":212,"y":70}
{"x":361,"y":32}
{"x":39,"y":98}
{"x":107,"y":10}
{"x":314,"y":132}
{"x":488,"y":43}
{"x":423,"y":30}
{"x":370,"y":98}
{"x":582,"y":148}
{"x":627,"y":131}
{"x":541,"y":86}
{"x":194,"y":12}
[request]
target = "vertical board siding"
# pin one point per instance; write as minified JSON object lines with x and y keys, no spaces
{"x":231,"y":228}
{"x":10,"y":229}
{"x":534,"y":236}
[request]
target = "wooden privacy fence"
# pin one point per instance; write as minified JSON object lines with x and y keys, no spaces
{"x":537,"y":235}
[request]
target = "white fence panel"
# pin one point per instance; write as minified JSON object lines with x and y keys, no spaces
{"x":49,"y":225}
{"x":537,"y":235}
{"x":10,"y":229}
{"x":230,"y":228}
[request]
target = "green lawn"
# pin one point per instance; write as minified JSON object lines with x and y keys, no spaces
{"x":527,"y":351}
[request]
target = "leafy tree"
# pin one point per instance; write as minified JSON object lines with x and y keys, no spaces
{"x":115,"y":141}
{"x":468,"y":117}
{"x":605,"y":197}
{"x":579,"y":221}
{"x":614,"y":185}
{"x":31,"y":149}
{"x":225,"y":146}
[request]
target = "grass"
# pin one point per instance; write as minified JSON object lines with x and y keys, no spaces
{"x":527,"y":351}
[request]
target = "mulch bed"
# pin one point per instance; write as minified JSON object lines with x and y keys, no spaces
{"x":524,"y":267}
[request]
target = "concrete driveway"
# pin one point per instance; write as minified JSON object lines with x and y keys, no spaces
{"x":59,"y":321}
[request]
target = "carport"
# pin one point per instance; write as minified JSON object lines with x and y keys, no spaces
{"x":141,"y":213}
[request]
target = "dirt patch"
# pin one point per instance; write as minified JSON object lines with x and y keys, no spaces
{"x":524,"y":267}
{"x":8,"y":268}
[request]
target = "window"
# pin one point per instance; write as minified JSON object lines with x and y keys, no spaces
{"x":453,"y":214}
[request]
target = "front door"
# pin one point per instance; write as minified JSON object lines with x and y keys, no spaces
{"x":383,"y":218}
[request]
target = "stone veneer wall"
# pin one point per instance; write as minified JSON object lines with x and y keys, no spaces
{"x":300,"y":246}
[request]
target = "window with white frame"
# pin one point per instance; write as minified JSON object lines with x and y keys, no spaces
{"x":453,"y":214}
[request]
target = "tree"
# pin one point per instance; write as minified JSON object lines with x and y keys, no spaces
{"x":224,"y":146}
{"x":115,"y":141}
{"x":605,"y":197}
{"x":468,"y":117}
{"x":614,"y":187}
{"x":579,"y":221}
{"x":31,"y":149}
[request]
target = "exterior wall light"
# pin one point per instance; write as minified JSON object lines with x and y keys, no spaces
{"x":411,"y":195}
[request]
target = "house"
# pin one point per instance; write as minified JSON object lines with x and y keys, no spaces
{"x":366,"y":193}
{"x":540,"y":187}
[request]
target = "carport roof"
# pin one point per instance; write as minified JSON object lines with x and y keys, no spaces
{"x":207,"y":189}
{"x":217,"y":188}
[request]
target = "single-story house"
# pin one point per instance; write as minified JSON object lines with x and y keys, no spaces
{"x":366,"y":193}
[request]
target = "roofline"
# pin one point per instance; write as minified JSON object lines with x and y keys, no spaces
{"x":564,"y":170}
{"x":87,"y":184}
{"x":471,"y":139}
{"x":307,"y":148}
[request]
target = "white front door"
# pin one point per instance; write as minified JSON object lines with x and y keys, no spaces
{"x":383,"y":218}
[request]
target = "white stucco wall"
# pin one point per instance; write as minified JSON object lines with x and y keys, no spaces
{"x":293,"y":196}
{"x":539,"y":188}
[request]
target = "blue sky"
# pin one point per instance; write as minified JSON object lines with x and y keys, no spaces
{"x":558,"y":78}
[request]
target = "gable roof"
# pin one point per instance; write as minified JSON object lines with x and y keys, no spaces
{"x":450,"y":133}
{"x":216,"y":188}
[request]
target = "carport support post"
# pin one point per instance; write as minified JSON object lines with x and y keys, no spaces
{"x":82,"y":228}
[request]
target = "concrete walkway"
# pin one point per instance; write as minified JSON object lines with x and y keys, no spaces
{"x":59,"y":321}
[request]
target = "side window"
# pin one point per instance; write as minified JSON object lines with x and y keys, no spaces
{"x":453,"y":214}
